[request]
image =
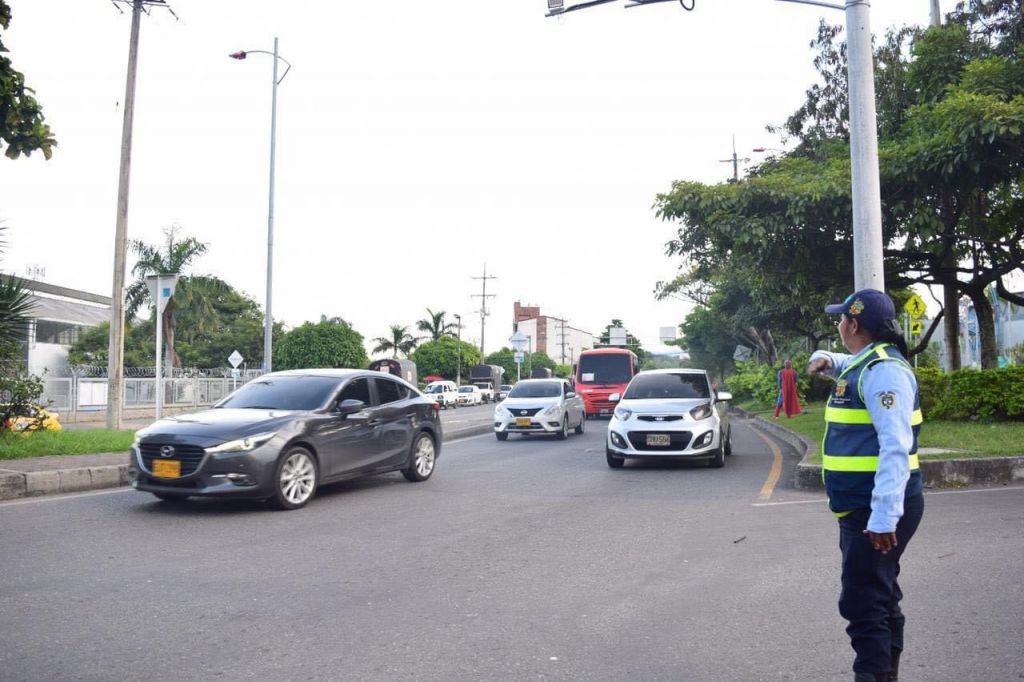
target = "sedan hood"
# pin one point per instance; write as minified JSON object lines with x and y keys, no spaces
{"x":663,"y":406}
{"x":520,"y":403}
{"x":219,"y":424}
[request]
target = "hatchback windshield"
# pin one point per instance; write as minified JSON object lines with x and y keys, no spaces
{"x":654,"y":386}
{"x":536,"y":389}
{"x":466,"y":389}
{"x":283,"y":393}
{"x":437,"y":388}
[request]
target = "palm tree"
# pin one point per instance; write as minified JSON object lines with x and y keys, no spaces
{"x":193,"y":292}
{"x":435,"y":325}
{"x":400,"y":342}
{"x":15,"y":307}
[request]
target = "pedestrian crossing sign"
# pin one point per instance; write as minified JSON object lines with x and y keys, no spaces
{"x":915,"y":306}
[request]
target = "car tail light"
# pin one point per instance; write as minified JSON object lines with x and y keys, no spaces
{"x":436,"y":406}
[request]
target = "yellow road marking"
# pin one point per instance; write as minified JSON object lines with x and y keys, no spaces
{"x":773,"y":476}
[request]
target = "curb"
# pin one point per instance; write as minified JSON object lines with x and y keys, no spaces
{"x":16,"y":484}
{"x":936,"y":473}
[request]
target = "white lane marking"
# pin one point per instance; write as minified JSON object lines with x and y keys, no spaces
{"x":463,"y":440}
{"x":929,"y":493}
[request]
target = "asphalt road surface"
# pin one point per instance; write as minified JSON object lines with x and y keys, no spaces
{"x":523,"y":560}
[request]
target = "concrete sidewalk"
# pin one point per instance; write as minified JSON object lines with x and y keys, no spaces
{"x":33,"y":476}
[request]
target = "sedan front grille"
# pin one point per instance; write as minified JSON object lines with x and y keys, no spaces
{"x":678,"y":440}
{"x":524,"y":411}
{"x":190,"y":456}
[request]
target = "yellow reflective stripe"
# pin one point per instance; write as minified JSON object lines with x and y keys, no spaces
{"x":849,"y":415}
{"x":861,"y":463}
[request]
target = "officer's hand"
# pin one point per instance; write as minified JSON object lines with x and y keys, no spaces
{"x":819,"y":366}
{"x":882,"y":542}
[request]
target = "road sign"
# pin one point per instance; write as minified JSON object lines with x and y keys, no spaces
{"x":235,"y":359}
{"x":915,"y":306}
{"x":917,"y":327}
{"x":519,"y":341}
{"x":519,"y":357}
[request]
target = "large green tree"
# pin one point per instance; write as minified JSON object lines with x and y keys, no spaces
{"x":195,"y":293}
{"x":441,"y":357}
{"x":22,"y":126}
{"x":505,"y":358}
{"x":328,"y":343}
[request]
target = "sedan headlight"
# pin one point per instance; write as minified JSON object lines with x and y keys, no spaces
{"x":701,"y":412}
{"x":553,"y":410}
{"x":242,"y":444}
{"x":623,"y":413}
{"x":501,"y":412}
{"x":138,"y":438}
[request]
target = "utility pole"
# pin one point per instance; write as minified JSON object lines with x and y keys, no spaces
{"x":483,"y":307}
{"x":935,"y":19}
{"x":561,"y":333}
{"x":735,"y":161}
{"x":115,"y":348}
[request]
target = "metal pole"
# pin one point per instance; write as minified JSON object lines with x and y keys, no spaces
{"x":115,"y":348}
{"x":868,"y":270}
{"x":935,"y":16}
{"x":268,"y":322}
{"x":458,"y":366}
{"x":159,"y":344}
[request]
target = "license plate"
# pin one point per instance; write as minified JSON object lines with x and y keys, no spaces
{"x":658,"y":439}
{"x":605,"y":411}
{"x":167,"y":468}
{"x":522,"y":421}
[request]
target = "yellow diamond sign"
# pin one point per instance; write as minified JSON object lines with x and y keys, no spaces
{"x":917,"y":327}
{"x":915,"y":306}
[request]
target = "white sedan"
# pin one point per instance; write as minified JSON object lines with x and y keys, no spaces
{"x":470,"y":395}
{"x":540,"y":406}
{"x":670,"y":413}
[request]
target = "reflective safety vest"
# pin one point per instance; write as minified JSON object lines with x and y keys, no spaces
{"x":850,"y":447}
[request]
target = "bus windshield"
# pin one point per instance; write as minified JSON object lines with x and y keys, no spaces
{"x":605,"y":369}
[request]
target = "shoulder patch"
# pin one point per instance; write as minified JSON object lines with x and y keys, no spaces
{"x":887,"y":400}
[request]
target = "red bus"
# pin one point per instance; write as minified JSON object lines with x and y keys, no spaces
{"x":601,"y":372}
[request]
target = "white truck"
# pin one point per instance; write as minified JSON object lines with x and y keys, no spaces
{"x":486,"y":390}
{"x":487,"y":378}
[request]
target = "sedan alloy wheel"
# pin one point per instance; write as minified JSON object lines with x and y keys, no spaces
{"x":422,"y":459}
{"x":296,"y":479}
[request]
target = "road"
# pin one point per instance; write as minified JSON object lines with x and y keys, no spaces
{"x":527,"y":559}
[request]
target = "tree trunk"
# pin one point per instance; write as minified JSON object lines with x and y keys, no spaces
{"x":986,"y":327}
{"x":951,"y":322}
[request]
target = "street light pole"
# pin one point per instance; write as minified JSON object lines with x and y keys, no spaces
{"x":458,"y":366}
{"x":268,"y":320}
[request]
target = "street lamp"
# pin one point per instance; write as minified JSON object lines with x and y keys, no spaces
{"x":268,"y":322}
{"x":458,"y":367}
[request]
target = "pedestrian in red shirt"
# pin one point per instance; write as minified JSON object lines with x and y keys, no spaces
{"x":789,"y":399}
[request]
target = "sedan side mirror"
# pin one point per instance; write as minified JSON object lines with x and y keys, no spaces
{"x":723,"y":396}
{"x":350,"y":406}
{"x":570,"y":394}
{"x":614,"y":398}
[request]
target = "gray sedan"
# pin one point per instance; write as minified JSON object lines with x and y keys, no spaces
{"x":281,"y":436}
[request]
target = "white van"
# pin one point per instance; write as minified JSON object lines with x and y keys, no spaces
{"x":444,"y":393}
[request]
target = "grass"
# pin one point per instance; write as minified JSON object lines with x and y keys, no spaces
{"x":968,"y":439}
{"x":77,"y":442}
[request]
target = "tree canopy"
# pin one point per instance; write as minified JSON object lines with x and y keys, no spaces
{"x":327,"y":343}
{"x":22,"y":125}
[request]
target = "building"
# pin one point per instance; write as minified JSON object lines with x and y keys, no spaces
{"x":58,"y":317}
{"x":552,"y":336}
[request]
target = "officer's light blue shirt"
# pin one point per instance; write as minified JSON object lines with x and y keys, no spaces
{"x":892,"y":424}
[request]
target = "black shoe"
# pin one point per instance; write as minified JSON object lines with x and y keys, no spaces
{"x":870,"y":677}
{"x":894,"y":665}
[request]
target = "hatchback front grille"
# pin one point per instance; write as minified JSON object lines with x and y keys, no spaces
{"x":660,"y":417}
{"x":678,"y":440}
{"x":190,"y":456}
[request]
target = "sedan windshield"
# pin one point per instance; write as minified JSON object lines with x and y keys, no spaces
{"x":655,"y":386}
{"x":536,"y":389}
{"x":466,"y":389}
{"x":283,"y":393}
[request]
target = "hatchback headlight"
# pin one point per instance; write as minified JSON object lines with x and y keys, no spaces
{"x":623,"y":413}
{"x":701,"y":412}
{"x":242,"y":444}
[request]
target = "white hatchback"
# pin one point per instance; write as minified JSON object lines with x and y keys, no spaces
{"x":672,"y":413}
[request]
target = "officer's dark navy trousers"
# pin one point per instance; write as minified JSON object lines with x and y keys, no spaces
{"x":870,"y":599}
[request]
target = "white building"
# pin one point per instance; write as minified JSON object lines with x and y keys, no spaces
{"x":550,"y":335}
{"x":57,"y":319}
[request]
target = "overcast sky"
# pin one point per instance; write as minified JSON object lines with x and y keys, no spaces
{"x":417,"y":143}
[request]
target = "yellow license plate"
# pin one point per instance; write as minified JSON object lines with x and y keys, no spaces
{"x":658,"y":439}
{"x":522,"y":421}
{"x":167,"y":468}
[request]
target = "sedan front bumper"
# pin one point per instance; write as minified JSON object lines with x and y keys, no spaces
{"x":233,"y":474}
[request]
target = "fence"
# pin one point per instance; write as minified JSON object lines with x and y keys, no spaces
{"x":84,"y":389}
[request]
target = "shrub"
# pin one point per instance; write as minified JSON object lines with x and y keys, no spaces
{"x":990,"y":394}
{"x":19,"y":393}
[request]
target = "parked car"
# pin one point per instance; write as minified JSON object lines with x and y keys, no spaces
{"x":38,"y":418}
{"x":671,"y":413}
{"x":540,"y":406}
{"x":444,"y":393}
{"x":470,"y":395}
{"x":283,"y":435}
{"x":503,"y":392}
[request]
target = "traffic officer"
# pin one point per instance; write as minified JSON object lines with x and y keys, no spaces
{"x":871,"y":473}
